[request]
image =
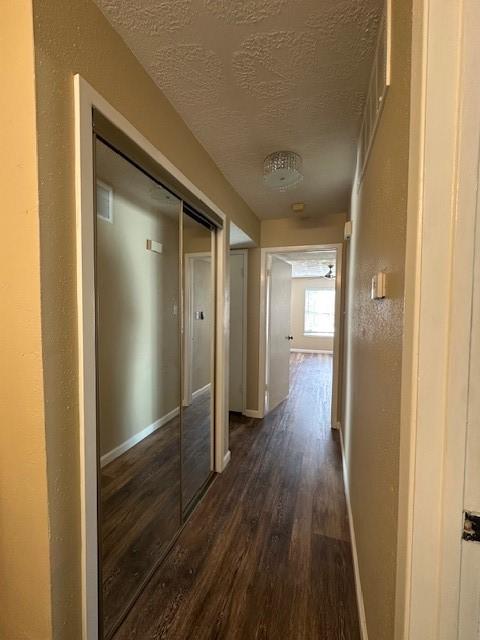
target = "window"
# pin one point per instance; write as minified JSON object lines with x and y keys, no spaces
{"x":319,"y":312}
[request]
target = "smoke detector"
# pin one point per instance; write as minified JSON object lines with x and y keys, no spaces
{"x":298,"y":207}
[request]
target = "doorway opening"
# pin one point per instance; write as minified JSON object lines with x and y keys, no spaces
{"x":240,"y":242}
{"x":300,"y":321}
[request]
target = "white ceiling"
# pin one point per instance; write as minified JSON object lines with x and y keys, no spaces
{"x":254,"y":76}
{"x":309,"y":264}
{"x":238,"y":238}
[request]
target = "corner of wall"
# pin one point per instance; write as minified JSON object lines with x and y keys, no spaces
{"x":24,"y":540}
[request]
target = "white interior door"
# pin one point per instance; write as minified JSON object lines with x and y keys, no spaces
{"x":237,"y":329}
{"x":469,"y":614}
{"x":278,"y":334}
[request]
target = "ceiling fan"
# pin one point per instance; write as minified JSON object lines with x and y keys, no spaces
{"x":330,"y":273}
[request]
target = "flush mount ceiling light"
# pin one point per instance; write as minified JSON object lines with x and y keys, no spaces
{"x":282,"y":170}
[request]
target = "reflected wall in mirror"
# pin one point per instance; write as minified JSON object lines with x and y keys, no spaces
{"x":198,"y":348}
{"x":138,"y":377}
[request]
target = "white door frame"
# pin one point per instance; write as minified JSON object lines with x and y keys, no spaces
{"x":86,"y":98}
{"x":263,"y":350}
{"x":244,"y":253}
{"x":444,"y":147}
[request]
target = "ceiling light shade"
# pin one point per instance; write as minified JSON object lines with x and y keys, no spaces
{"x":282,"y":170}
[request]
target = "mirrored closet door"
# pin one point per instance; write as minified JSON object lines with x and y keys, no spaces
{"x":155,"y":299}
{"x":197,"y":422}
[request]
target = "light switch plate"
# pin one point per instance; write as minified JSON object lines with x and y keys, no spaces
{"x":378,"y":286}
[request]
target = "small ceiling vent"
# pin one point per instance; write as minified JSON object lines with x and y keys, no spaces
{"x":104,"y":201}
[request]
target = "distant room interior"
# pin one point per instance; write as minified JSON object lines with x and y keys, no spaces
{"x":300,"y":316}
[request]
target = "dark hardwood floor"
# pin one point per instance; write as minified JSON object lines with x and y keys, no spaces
{"x":266,"y":554}
{"x":140,"y":502}
{"x":196,"y":445}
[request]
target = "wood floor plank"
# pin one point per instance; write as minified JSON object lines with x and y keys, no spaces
{"x":266,"y":554}
{"x":140,"y":499}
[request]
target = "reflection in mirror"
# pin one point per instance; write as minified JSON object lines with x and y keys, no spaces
{"x":197,"y":419}
{"x":138,"y":376}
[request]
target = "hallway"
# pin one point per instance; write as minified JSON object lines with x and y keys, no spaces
{"x":267,"y":552}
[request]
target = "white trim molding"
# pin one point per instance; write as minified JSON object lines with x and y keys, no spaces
{"x":199,"y":392}
{"x":253,"y":413}
{"x":356,"y":568}
{"x":226,"y":459}
{"x":86,"y":98}
{"x":442,"y":189}
{"x":111,"y":455}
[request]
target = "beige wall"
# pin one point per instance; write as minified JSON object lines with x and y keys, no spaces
{"x":297,"y":316}
{"x":198,"y":239}
{"x":282,"y":232}
{"x":371,"y":430}
{"x":24,"y":540}
{"x":138,"y":302}
{"x":73,"y":37}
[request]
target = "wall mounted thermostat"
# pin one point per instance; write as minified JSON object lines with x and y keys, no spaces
{"x":378,"y":286}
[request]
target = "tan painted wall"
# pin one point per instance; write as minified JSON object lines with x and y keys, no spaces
{"x":138,"y":302}
{"x":297,"y":316}
{"x":202,"y":338}
{"x":373,"y":359}
{"x":24,"y":545}
{"x":74,"y":37}
{"x":198,"y":239}
{"x":282,"y":232}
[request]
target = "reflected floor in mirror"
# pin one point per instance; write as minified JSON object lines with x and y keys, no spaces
{"x":140,"y":502}
{"x":140,"y":515}
{"x":196,"y":444}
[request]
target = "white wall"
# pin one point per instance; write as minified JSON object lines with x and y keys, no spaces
{"x":300,"y":341}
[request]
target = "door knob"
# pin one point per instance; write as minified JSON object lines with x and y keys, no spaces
{"x":289,"y":337}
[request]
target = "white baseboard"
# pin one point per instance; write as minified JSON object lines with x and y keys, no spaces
{"x":358,"y":584}
{"x":226,"y":459}
{"x":187,"y":403}
{"x":253,"y":413}
{"x":311,"y":351}
{"x":201,"y":390}
{"x":138,"y":437}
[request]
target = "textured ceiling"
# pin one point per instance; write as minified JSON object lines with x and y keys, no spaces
{"x":309,"y":264}
{"x":254,"y":76}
